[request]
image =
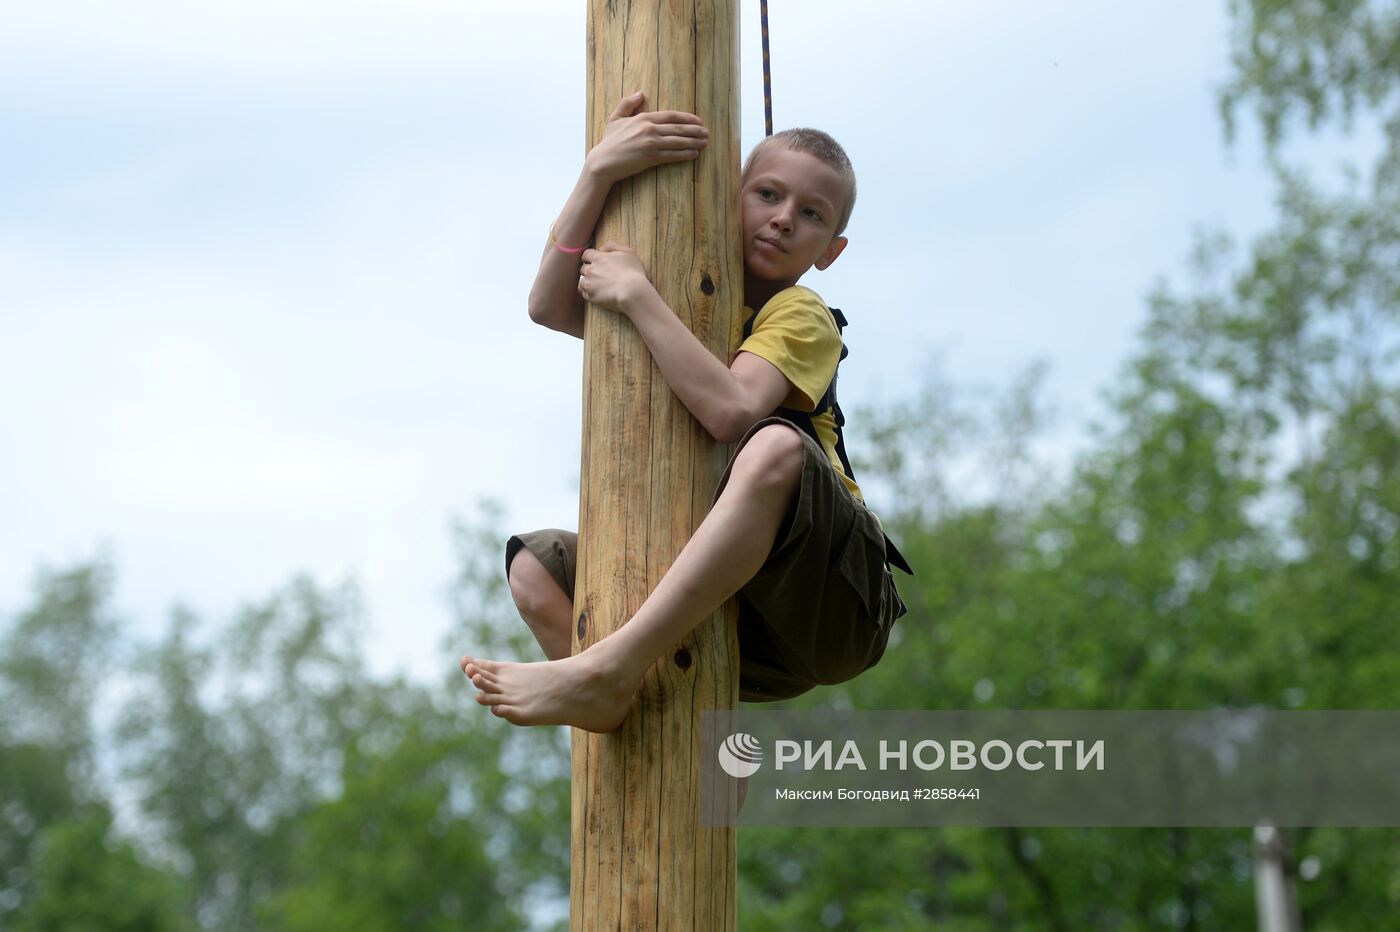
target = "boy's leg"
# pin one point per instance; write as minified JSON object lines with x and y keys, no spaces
{"x":594,"y":689}
{"x":542,"y":604}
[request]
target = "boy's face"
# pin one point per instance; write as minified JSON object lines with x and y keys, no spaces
{"x":790,"y":204}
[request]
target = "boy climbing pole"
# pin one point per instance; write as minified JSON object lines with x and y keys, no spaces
{"x":788,"y":533}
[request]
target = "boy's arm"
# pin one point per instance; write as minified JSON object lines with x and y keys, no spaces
{"x":632,"y":142}
{"x":727,"y":401}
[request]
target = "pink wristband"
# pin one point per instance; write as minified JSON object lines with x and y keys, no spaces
{"x":569,"y":250}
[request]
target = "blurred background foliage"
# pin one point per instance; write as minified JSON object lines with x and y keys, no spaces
{"x":1227,"y":538}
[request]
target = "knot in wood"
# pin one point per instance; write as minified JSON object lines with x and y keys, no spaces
{"x":683,"y":659}
{"x":706,"y":284}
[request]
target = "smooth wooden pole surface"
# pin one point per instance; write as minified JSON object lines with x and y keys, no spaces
{"x":640,"y":858}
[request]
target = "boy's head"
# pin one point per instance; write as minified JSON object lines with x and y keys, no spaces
{"x":798,"y":189}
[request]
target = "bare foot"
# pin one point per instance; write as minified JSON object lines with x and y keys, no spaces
{"x":574,"y":691}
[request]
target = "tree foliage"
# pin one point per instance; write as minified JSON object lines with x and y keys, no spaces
{"x":88,"y":881}
{"x":1318,"y":60}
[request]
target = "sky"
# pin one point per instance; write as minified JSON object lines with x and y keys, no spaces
{"x":263,"y":267}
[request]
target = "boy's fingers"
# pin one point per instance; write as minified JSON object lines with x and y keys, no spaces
{"x":674,"y":116}
{"x":681,"y":142}
{"x":628,"y":105}
{"x":683,"y":131}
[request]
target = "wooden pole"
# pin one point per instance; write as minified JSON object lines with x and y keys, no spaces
{"x":640,"y":858}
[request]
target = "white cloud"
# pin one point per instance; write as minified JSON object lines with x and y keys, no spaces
{"x":266,"y":43}
{"x":188,"y":430}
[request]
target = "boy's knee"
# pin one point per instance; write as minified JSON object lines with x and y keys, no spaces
{"x":531,"y":585}
{"x":775,"y":454}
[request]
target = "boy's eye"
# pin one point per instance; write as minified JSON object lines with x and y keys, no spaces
{"x":812,"y":214}
{"x":766,"y":193}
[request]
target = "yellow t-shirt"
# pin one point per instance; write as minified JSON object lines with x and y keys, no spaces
{"x":796,"y":333}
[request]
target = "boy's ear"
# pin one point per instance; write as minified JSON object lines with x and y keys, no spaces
{"x":838,"y":244}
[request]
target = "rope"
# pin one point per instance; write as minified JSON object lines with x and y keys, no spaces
{"x":767,"y":76}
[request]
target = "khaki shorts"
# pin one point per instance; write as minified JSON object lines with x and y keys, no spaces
{"x":818,"y":611}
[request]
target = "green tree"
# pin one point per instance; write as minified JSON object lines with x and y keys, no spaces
{"x":88,"y":881}
{"x":395,"y":850}
{"x":53,"y":660}
{"x":228,"y":745}
{"x":293,"y":790}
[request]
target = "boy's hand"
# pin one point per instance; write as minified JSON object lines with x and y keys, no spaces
{"x":634,"y":141}
{"x":613,"y":277}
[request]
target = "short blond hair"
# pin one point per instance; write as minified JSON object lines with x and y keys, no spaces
{"x":816,"y":143}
